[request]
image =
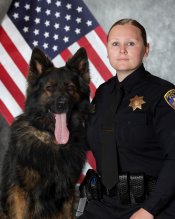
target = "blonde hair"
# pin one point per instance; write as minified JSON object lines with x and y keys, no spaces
{"x":134,"y":23}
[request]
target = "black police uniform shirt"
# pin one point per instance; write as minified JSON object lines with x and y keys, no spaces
{"x":145,"y":131}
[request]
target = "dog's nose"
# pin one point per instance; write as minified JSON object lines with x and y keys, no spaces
{"x":61,"y":102}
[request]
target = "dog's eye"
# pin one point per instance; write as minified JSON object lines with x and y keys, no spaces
{"x":70,"y":87}
{"x":50,"y":88}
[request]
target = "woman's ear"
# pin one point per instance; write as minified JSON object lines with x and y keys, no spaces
{"x":147,"y":50}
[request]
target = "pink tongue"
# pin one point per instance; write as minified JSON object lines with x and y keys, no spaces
{"x":61,"y":130}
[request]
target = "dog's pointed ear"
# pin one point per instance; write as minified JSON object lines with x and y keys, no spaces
{"x":39,"y":62}
{"x":79,"y":61}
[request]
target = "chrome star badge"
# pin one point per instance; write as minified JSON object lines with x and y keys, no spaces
{"x":136,"y":102}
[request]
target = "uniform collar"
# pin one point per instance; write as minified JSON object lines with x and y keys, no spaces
{"x":131,"y":80}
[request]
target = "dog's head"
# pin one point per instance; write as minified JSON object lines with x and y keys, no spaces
{"x":57,"y":93}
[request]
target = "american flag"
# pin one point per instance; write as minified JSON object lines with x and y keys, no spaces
{"x":59,"y":28}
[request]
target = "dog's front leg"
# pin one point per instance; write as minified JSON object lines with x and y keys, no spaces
{"x":17,"y":203}
{"x":68,"y":210}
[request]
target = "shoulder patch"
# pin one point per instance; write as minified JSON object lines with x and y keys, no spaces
{"x":170,"y":98}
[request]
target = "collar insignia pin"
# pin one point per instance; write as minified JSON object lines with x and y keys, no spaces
{"x":136,"y":102}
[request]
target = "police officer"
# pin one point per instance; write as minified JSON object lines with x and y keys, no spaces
{"x":144,"y":133}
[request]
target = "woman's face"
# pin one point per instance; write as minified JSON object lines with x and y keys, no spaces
{"x":126,"y":48}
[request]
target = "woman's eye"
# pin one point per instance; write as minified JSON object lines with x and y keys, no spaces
{"x":115,"y":43}
{"x":130,"y":43}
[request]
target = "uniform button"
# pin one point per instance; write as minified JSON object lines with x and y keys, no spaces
{"x":129,"y":122}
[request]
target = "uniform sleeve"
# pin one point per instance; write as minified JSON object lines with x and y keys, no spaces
{"x":164,"y":121}
{"x":91,"y":117}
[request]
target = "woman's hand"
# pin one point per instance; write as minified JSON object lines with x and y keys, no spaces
{"x":142,"y":214}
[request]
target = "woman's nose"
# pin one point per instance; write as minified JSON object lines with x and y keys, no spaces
{"x":123,"y":49}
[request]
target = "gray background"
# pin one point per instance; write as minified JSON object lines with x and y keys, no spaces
{"x":157,"y":16}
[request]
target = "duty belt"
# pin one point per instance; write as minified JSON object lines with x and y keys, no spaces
{"x":132,"y":188}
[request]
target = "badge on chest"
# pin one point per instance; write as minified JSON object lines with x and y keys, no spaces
{"x":136,"y":102}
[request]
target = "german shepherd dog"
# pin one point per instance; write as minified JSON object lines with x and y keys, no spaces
{"x":45,"y":155}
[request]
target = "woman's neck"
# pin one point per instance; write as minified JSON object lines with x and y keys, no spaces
{"x":122,"y":75}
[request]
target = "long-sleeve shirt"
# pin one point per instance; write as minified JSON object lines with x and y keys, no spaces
{"x":145,"y":131}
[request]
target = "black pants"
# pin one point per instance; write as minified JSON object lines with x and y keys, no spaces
{"x":110,"y":208}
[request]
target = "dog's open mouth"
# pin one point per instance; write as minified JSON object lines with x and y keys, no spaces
{"x":61,"y":130}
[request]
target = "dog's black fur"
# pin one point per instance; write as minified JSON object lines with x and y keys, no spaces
{"x":39,"y":174}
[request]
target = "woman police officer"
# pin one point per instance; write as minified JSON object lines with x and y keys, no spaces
{"x":144,"y":131}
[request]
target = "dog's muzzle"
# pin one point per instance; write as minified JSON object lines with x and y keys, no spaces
{"x":61,"y":104}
